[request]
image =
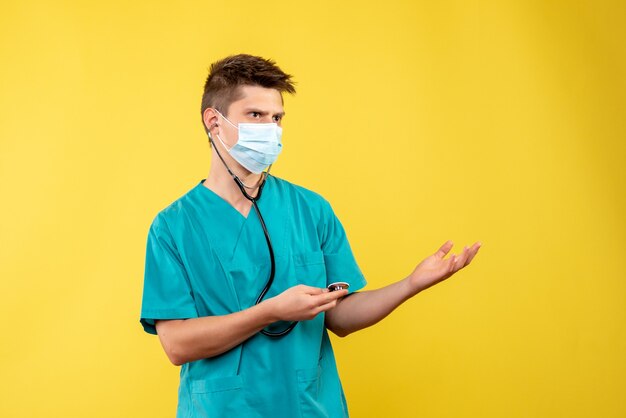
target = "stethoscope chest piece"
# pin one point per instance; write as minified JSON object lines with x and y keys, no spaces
{"x":338,"y":286}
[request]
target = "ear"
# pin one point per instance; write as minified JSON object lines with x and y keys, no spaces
{"x":210,"y":119}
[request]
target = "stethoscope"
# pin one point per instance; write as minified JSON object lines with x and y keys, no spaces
{"x":267,"y":239}
{"x":331,"y":287}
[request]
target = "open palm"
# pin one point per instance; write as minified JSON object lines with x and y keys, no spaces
{"x":434,"y":269}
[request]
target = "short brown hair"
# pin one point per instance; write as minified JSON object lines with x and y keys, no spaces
{"x":227,"y":75}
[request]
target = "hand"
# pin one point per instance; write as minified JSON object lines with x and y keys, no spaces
{"x":435,"y":269}
{"x":302,"y":303}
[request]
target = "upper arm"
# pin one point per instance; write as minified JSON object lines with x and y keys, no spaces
{"x":339,"y":259}
{"x":167,"y":292}
{"x":164,"y":327}
{"x":166,"y":330}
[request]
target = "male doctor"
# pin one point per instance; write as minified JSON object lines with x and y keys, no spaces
{"x":246,"y":349}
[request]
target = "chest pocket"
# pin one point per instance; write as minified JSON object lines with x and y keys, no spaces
{"x":309,"y":268}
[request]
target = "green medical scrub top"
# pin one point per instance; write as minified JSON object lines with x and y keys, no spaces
{"x":205,"y":258}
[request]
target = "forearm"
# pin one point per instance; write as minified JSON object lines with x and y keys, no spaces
{"x":197,"y":338}
{"x":363,"y":309}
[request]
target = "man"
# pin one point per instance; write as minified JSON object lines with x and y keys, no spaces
{"x":237,"y":268}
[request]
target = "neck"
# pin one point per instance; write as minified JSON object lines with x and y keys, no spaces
{"x":221,"y":182}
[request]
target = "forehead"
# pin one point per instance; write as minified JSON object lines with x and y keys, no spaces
{"x":266,"y":99}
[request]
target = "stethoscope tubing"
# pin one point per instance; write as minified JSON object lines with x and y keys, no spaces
{"x":272,"y":273}
{"x":270,"y":247}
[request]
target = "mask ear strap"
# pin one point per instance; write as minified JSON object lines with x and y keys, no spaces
{"x":226,"y":119}
{"x":223,"y":144}
{"x":218,"y":135}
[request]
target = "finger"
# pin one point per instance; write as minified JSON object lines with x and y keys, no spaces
{"x":326,"y":306}
{"x":473,"y":252}
{"x":444,"y":249}
{"x":460,"y":263}
{"x":451,"y":262}
{"x":310,"y":290}
{"x":330,"y":296}
{"x":337,"y":294}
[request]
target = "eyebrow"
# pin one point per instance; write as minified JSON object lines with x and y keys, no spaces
{"x":252,"y":109}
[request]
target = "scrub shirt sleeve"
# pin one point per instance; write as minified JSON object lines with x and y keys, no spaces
{"x":341,"y":265}
{"x":166,"y":289}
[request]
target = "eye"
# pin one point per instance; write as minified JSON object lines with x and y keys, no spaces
{"x":255,"y":114}
{"x":277,"y":118}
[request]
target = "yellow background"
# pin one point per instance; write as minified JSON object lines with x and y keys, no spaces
{"x":419,"y":121}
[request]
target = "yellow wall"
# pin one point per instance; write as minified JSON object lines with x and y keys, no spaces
{"x":420,"y":121}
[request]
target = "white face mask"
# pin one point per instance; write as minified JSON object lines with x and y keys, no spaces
{"x":258,"y":145}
